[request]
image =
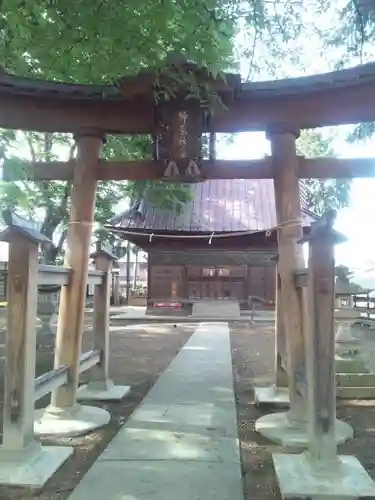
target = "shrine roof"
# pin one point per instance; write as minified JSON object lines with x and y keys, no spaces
{"x":217,"y":205}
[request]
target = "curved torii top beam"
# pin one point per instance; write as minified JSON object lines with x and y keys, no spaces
{"x":334,"y":98}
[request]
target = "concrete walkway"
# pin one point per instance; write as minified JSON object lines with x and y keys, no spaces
{"x":181,"y":442}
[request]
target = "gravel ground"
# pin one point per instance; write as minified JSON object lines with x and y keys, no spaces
{"x":253,"y":358}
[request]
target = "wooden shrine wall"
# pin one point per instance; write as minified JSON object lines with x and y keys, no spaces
{"x":211,"y":274}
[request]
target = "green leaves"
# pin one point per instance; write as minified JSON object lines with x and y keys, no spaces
{"x":99,"y":40}
{"x":327,"y":194}
{"x":161,"y":194}
{"x":362,"y":132}
{"x":96,"y":41}
{"x":13,"y":195}
{"x":355,"y":31}
{"x":312,"y":143}
{"x":322,"y":194}
{"x":343,"y":274}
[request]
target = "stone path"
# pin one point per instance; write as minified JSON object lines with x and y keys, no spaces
{"x":181,"y":442}
{"x":216,"y":308}
{"x":218,"y":312}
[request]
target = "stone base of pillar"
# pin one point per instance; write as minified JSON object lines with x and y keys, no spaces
{"x":33,"y":466}
{"x":272,"y":396}
{"x":102,"y":391}
{"x":299,"y":478}
{"x":69,"y":422}
{"x":278,"y":427}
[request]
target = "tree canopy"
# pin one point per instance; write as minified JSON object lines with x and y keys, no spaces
{"x":97,"y":41}
{"x":352,"y":38}
{"x":92,"y":41}
{"x":322,"y":194}
{"x":343,"y":274}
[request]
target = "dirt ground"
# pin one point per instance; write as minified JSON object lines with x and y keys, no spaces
{"x":253,"y":355}
{"x":139,"y":354}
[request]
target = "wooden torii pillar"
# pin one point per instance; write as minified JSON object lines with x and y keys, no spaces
{"x":65,"y":416}
{"x":288,"y":428}
{"x":276,"y":395}
{"x":320,"y":473}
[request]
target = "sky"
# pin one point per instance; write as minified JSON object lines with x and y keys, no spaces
{"x":313,"y":58}
{"x":355,"y":222}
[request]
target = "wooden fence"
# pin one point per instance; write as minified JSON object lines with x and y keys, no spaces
{"x":365,"y":306}
{"x":47,"y":275}
{"x":21,"y":388}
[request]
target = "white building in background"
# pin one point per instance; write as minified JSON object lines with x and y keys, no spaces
{"x":138,"y":270}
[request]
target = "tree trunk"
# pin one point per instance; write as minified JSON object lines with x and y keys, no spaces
{"x":50,"y":254}
{"x":128,"y":280}
{"x":49,"y":251}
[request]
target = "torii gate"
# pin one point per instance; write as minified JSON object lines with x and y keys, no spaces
{"x":281,"y":108}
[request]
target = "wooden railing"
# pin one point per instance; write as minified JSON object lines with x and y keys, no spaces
{"x":366,"y":314}
{"x":362,"y":304}
{"x":49,"y":381}
{"x":58,"y":275}
{"x":258,"y":303}
{"x":57,"y":377}
{"x":54,"y":275}
{"x":22,"y":389}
